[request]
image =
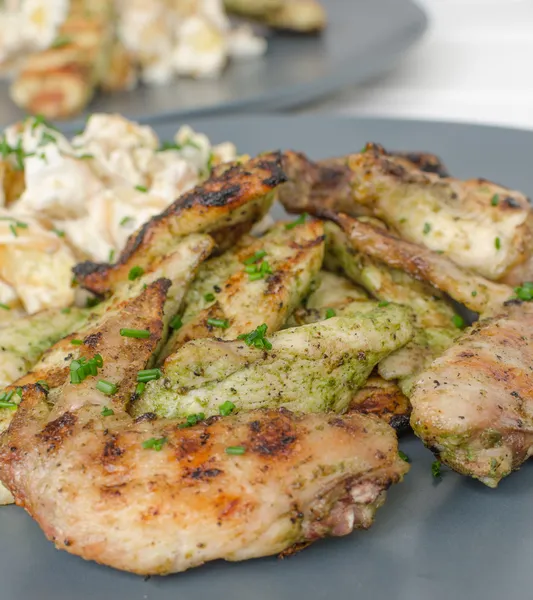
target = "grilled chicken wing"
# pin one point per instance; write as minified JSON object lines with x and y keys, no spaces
{"x":379,"y":397}
{"x":475,"y":292}
{"x":226,"y":206}
{"x":313,"y":368}
{"x":473,"y":406}
{"x":153,"y":497}
{"x":224,"y":291}
{"x":479,"y":225}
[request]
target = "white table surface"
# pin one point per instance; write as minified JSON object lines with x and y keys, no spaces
{"x":474,"y":64}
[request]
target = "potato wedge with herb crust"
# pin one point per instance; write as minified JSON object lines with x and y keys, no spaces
{"x":225,"y":206}
{"x":313,"y":368}
{"x":259,"y":281}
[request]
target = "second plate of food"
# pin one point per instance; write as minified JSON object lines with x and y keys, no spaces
{"x":184,"y":65}
{"x":439,"y":533}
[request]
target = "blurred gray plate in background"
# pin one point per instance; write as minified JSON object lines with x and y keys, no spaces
{"x":431,"y":541}
{"x":363,"y":38}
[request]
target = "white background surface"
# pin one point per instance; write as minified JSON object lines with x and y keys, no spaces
{"x":474,"y":64}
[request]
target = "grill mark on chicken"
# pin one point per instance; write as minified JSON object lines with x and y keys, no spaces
{"x":55,"y":432}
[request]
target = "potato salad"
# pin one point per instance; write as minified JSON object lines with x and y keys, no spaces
{"x":62,"y":201}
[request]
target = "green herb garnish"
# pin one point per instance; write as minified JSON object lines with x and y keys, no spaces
{"x":106,"y":387}
{"x":176,"y":322}
{"x":458,"y":321}
{"x":155,"y":443}
{"x":257,"y":338}
{"x":495,"y":199}
{"x":209,"y":297}
{"x":436,"y":469}
{"x":192,"y":420}
{"x":140,"y":334}
{"x":135,"y":273}
{"x":299,"y":221}
{"x":107,"y":412}
{"x":226,"y":408}
{"x":427,"y":228}
{"x":222,"y":323}
{"x":235,"y":450}
{"x":404,"y":456}
{"x":497,"y":243}
{"x":148,"y":375}
{"x":330,"y":313}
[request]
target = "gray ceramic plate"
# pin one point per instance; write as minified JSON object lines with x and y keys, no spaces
{"x":363,"y":38}
{"x":455,"y":539}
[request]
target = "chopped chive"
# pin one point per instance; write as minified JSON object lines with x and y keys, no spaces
{"x":330,"y":312}
{"x":84,"y":156}
{"x":235,"y":450}
{"x":7,"y":397}
{"x":474,"y":293}
{"x":257,"y":338}
{"x":107,"y":412}
{"x":139,"y":389}
{"x":436,"y":469}
{"x":59,"y":232}
{"x":10,"y":405}
{"x":13,"y":230}
{"x":497,"y":243}
{"x":18,"y":391}
{"x":192,"y":420}
{"x":383,"y":303}
{"x":427,"y":228}
{"x":5,"y":306}
{"x":495,"y":199}
{"x":106,"y":387}
{"x":141,"y":334}
{"x":176,"y":322}
{"x":148,"y":375}
{"x":111,"y":256}
{"x":135,"y":273}
{"x":255,"y":276}
{"x":525,"y":291}
{"x":222,"y":323}
{"x":44,"y":384}
{"x":76,"y":342}
{"x":404,"y":456}
{"x":91,"y":301}
{"x":155,"y":443}
{"x":66,"y":310}
{"x":124,"y":221}
{"x":141,"y":188}
{"x":299,"y":221}
{"x":226,"y":408}
{"x":255,"y":257}
{"x":209,"y":297}
{"x":458,"y":321}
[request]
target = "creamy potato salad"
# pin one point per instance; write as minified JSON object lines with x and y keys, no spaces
{"x":80,"y":199}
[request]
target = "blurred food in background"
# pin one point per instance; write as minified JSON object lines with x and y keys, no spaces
{"x":60,"y":52}
{"x":63,"y":201}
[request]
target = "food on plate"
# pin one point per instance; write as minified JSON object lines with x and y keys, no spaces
{"x":302,"y":16}
{"x":472,"y":406}
{"x":61,"y":52}
{"x":60,"y":81}
{"x":69,"y":201}
{"x":236,"y":289}
{"x":234,"y":387}
{"x":478,"y":224}
{"x":312,"y":368}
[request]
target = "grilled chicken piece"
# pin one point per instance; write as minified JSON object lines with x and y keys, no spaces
{"x":151,"y":497}
{"x":226,"y":206}
{"x":473,"y":407}
{"x":385,"y":400}
{"x":379,"y":397}
{"x":475,"y":292}
{"x":60,"y":81}
{"x":23,"y":341}
{"x":479,"y":225}
{"x":28,"y":340}
{"x":433,"y":316}
{"x":314,"y":368}
{"x":223,"y":289}
{"x":385,"y":283}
